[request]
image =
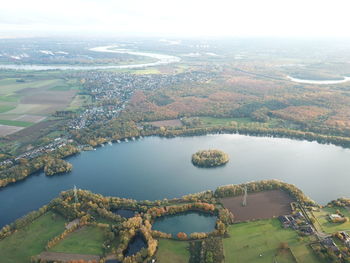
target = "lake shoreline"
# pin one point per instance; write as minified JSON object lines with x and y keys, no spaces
{"x":267,"y":133}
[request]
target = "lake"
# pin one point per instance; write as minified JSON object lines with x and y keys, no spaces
{"x":188,"y":223}
{"x":155,"y":168}
{"x":135,"y":245}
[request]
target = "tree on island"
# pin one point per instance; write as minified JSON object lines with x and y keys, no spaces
{"x":209,"y":158}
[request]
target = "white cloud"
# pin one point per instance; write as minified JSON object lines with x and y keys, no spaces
{"x":180,"y":17}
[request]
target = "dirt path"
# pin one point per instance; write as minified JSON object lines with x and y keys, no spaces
{"x":66,"y":257}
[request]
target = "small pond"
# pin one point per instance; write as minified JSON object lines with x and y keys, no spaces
{"x":135,"y":245}
{"x":127,"y":213}
{"x":185,"y":222}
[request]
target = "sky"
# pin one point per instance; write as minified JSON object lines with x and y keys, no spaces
{"x":187,"y":18}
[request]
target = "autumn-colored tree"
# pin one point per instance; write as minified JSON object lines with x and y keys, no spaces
{"x":84,"y":220}
{"x":220,"y":226}
{"x":135,"y":221}
{"x":182,"y":236}
{"x":198,"y":235}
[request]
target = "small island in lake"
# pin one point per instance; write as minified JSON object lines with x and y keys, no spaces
{"x":209,"y":158}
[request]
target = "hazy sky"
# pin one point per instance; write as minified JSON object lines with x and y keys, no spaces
{"x":177,"y":17}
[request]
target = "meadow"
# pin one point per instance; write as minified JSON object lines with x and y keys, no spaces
{"x":261,"y":242}
{"x":173,"y":251}
{"x":32,"y":239}
{"x":87,"y":240}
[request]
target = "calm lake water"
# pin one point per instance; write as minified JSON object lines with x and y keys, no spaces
{"x":156,"y":168}
{"x":136,"y":244}
{"x":187,"y":222}
{"x":124,"y":213}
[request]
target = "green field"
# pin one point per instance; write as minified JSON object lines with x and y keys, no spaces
{"x":31,"y":240}
{"x":259,"y":242}
{"x":285,"y":256}
{"x":10,"y":86}
{"x":5,"y":108}
{"x":79,"y":101}
{"x":323,"y":224}
{"x":10,"y":98}
{"x":215,"y":122}
{"x":211,"y":121}
{"x":61,"y":88}
{"x":87,"y":240}
{"x":69,"y":84}
{"x":304,"y":253}
{"x":172,"y":251}
{"x":146,"y":71}
{"x":16,"y":123}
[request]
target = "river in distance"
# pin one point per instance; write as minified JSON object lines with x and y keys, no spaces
{"x":319,"y":82}
{"x":154,"y":168}
{"x":162,"y":59}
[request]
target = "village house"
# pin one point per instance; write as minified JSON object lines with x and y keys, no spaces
{"x":345,"y":238}
{"x":333,"y":217}
{"x":329,"y":243}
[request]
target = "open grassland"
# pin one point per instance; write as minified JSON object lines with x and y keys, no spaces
{"x":9,"y":98}
{"x":285,"y":256}
{"x":167,"y":123}
{"x":146,"y":71}
{"x":172,"y":251}
{"x":325,"y":225}
{"x":224,"y":122}
{"x":32,"y":239}
{"x":213,"y":122}
{"x":303,"y":253}
{"x":87,"y":240}
{"x":79,"y":101}
{"x":259,"y":241}
{"x":10,"y":86}
{"x":16,"y":123}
